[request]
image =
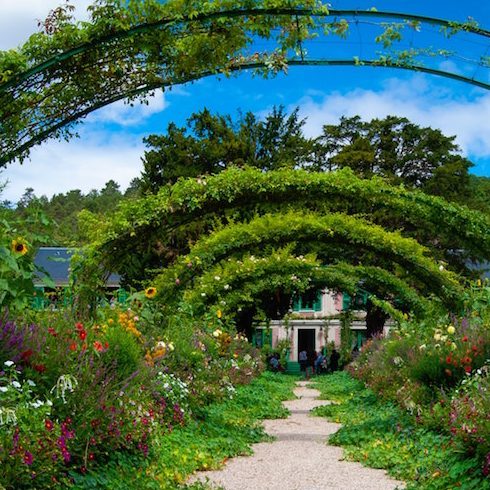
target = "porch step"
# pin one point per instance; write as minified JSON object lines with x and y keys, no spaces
{"x":293,"y":367}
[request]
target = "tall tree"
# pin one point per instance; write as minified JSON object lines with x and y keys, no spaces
{"x":399,"y":150}
{"x":210,"y":143}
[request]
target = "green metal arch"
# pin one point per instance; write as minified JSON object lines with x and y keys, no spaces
{"x":293,"y":12}
{"x":5,"y":158}
{"x":26,"y":122}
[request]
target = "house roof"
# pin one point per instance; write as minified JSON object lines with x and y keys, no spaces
{"x":56,"y":262}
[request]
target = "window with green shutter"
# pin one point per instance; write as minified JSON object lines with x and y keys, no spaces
{"x":310,"y":301}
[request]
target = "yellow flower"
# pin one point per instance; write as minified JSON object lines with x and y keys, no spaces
{"x":437,"y":337}
{"x":150,"y":292}
{"x":19,"y":246}
{"x":219,"y":314}
{"x":451,"y":330}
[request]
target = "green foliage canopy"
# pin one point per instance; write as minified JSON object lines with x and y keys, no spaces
{"x":237,"y":282}
{"x":280,"y":228}
{"x":139,"y":225}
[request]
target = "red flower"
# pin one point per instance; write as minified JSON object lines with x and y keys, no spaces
{"x":448,"y":360}
{"x":467,"y":360}
{"x":73,"y":346}
{"x":48,"y":424}
{"x":98,"y":346}
{"x":82,"y":334}
{"x":467,"y":369}
{"x":26,"y":354}
{"x":40,"y":368}
{"x":52,"y":331}
{"x":465,"y":339}
{"x":79,"y":326}
{"x":106,"y":345}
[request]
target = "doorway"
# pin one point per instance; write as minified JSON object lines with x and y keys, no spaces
{"x":306,"y":340}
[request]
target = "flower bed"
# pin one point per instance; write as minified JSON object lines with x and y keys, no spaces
{"x":74,"y":393}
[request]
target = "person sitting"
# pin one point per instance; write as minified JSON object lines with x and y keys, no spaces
{"x":274,"y":363}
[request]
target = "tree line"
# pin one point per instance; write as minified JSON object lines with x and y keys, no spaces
{"x":394,"y":148}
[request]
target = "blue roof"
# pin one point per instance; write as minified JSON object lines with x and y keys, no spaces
{"x":56,"y":262}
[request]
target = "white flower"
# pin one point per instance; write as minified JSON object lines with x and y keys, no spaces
{"x":171,"y":346}
{"x":66,"y":382}
{"x":16,"y":384}
{"x":203,"y":294}
{"x":30,"y":382}
{"x":7,"y":415}
{"x":217,"y":278}
{"x":3,"y":389}
{"x":226,"y":287}
{"x":9,"y":363}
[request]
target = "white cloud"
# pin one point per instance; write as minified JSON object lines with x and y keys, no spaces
{"x":19,"y":18}
{"x":126,"y":115}
{"x":86,"y":163}
{"x":415,"y":99}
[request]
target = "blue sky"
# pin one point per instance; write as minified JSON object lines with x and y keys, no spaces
{"x":110,"y":143}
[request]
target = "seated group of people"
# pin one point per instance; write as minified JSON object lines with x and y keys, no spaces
{"x":318,"y":362}
{"x":274,"y":363}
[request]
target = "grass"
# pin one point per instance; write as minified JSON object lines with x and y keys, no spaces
{"x":381,"y":435}
{"x":224,"y":430}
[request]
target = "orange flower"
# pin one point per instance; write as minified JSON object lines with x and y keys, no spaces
{"x":98,"y":346}
{"x":73,"y":346}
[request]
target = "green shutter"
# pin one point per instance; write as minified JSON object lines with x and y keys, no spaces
{"x":297,"y":304}
{"x":318,"y":302}
{"x":346,"y":301}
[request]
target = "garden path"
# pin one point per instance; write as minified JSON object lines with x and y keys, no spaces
{"x":299,"y":458}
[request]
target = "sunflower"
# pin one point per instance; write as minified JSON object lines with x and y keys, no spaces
{"x":19,"y":246}
{"x":150,"y":292}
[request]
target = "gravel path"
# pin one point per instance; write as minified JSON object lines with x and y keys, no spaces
{"x":298,"y":459}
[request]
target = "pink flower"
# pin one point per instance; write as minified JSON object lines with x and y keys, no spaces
{"x":28,"y":458}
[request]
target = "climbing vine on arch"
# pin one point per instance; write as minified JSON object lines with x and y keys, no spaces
{"x":279,"y":228}
{"x":236,"y":282}
{"x":143,"y":226}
